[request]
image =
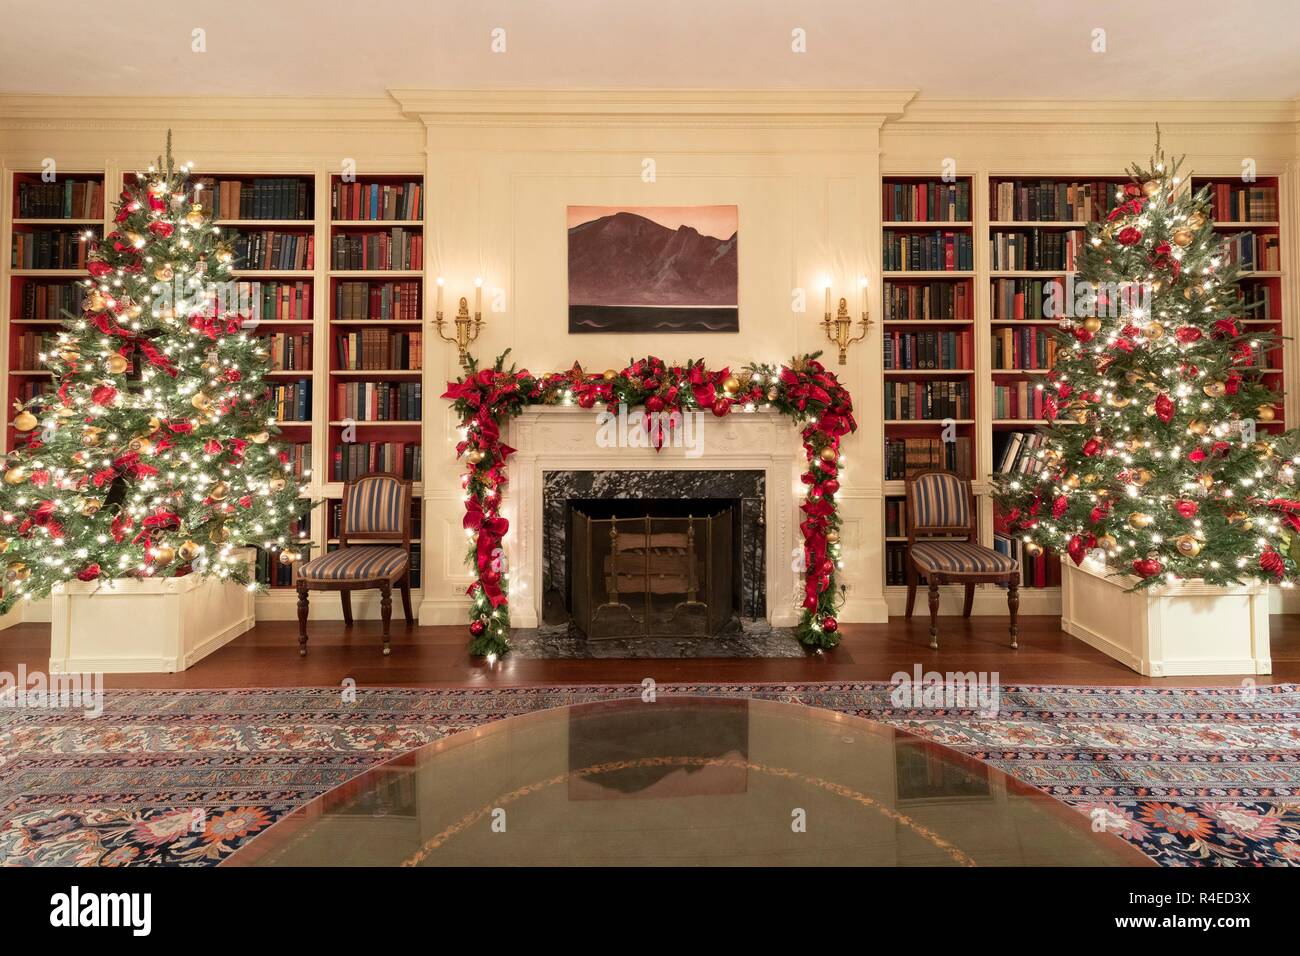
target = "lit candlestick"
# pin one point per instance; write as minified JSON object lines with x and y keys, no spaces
{"x":439,"y":306}
{"x":478,"y":295}
{"x":828,"y":298}
{"x":862,"y":285}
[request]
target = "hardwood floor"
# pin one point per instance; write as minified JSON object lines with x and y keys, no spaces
{"x":267,"y":656}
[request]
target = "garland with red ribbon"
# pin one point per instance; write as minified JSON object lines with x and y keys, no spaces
{"x":804,"y":390}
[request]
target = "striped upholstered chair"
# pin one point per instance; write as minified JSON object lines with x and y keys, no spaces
{"x":376,"y":509}
{"x":941,"y":510}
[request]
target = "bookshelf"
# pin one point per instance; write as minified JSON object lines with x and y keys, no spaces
{"x":928,"y":338}
{"x":53,"y":220}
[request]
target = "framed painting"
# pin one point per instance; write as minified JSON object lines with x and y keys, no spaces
{"x":653,"y":269}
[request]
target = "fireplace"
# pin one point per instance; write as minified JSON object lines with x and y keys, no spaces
{"x":652,"y":568}
{"x":687,"y":556}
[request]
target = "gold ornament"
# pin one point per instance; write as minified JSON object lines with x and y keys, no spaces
{"x":1264,"y":449}
{"x":289,"y":557}
{"x":1196,"y":220}
{"x":276,"y":484}
{"x":25,"y":421}
{"x":1150,"y":187}
{"x":91,"y":435}
{"x":1198,"y":427}
{"x":201,"y":400}
{"x":89,"y":506}
{"x":1081,"y":416}
{"x":154,"y":425}
{"x":163,"y":273}
{"x":260,"y":438}
{"x":832,"y":537}
{"x":1091,"y":478}
{"x":17,"y":572}
{"x":610,"y":375}
{"x":1206,"y":479}
{"x":1107,"y":542}
{"x":1192,"y":292}
{"x":188,"y":551}
{"x":773,"y":394}
{"x":1141,"y":476}
{"x":1153,"y":331}
{"x":16,"y":475}
{"x":1265,"y":413}
{"x":164,"y":554}
{"x":1215,"y":389}
{"x":94,"y":301}
{"x":194,"y":217}
{"x":219,"y":534}
{"x":4,"y":545}
{"x":1071,"y":482}
{"x":1115,"y":401}
{"x":731,"y":384}
{"x":116,"y":364}
{"x":141,"y":446}
{"x":219,"y":491}
{"x":1188,"y":545}
{"x":829,"y":454}
{"x":1183,"y":237}
{"x":1157,"y":285}
{"x":1033,"y":549}
{"x":1139,"y":519}
{"x":1092,"y":324}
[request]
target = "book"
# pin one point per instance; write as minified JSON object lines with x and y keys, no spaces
{"x":942,"y":300}
{"x":1050,"y":200}
{"x":354,"y":201}
{"x":69,"y":199}
{"x":936,"y":251}
{"x":929,"y":201}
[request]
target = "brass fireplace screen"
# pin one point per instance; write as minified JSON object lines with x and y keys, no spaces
{"x":651,"y":576}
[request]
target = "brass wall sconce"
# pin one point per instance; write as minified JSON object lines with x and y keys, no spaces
{"x":839,"y":327}
{"x":467,"y":328}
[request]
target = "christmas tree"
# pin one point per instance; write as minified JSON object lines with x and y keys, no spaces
{"x":1158,"y":449}
{"x":152,"y":454}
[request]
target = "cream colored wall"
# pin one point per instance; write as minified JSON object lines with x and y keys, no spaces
{"x":804,"y":168}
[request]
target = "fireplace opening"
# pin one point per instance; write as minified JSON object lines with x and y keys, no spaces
{"x":654,"y":567}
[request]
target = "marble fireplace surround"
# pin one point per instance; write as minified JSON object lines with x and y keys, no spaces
{"x":563,"y":439}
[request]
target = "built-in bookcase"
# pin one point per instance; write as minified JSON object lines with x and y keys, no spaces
{"x":54,"y":220}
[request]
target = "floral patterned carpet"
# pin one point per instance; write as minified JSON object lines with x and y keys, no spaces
{"x":1191,"y":776}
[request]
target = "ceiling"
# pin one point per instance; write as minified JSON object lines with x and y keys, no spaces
{"x":1196,"y":49}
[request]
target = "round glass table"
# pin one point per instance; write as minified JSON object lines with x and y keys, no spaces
{"x":684,"y":781}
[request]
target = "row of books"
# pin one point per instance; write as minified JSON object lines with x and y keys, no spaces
{"x":377,"y":201}
{"x":24,"y":391}
{"x":1230,"y":203}
{"x":1035,"y":249}
{"x":268,"y":570}
{"x":363,"y":458}
{"x":1046,"y":200}
{"x":382,"y":301}
{"x":1031,"y":348}
{"x":268,"y":249}
{"x":910,"y":301}
{"x":895,"y":517}
{"x":270,"y":198}
{"x":379,"y":349}
{"x":1253,"y":252}
{"x":896,"y":564}
{"x":927,"y":202}
{"x":927,"y":401}
{"x":50,"y":301}
{"x":70,"y":199}
{"x":31,"y":345}
{"x":299,"y":457}
{"x":397,"y":249}
{"x":934,"y":252}
{"x":1017,"y":400}
{"x":378,"y":401}
{"x":926,"y":350}
{"x":274,"y":301}
{"x":292,"y":400}
{"x":907,"y":456}
{"x":1019,"y":453}
{"x":290,"y":352}
{"x":1042,"y":571}
{"x":50,"y":249}
{"x":1016,"y":299}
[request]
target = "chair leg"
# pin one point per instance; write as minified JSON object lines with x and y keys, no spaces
{"x":934,"y":613}
{"x":1013,"y":605}
{"x":970,"y":600}
{"x":346,"y":598}
{"x":911,"y":589}
{"x":386,"y":612}
{"x":406,"y":598}
{"x":302,"y":621}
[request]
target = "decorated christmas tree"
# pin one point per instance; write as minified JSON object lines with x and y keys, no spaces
{"x":1158,"y":450}
{"x":153,"y":452}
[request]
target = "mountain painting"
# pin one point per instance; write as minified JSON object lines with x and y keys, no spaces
{"x":653,"y":269}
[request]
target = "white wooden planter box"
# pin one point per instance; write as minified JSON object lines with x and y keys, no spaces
{"x":1168,"y":630}
{"x":146,"y":626}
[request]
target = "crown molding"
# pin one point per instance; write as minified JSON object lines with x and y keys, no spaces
{"x":25,"y":111}
{"x":649,"y":106}
{"x":948,"y":111}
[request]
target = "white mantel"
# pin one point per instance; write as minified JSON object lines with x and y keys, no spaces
{"x":563,"y":438}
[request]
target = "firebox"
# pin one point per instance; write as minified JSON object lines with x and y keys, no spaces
{"x":665,"y":572}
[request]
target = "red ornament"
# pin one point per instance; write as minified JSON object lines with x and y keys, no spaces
{"x":1271,"y":562}
{"x":1186,"y":509}
{"x":477,"y":627}
{"x":1196,"y":455}
{"x":1092,"y":447}
{"x":1164,"y":408}
{"x":830,"y":625}
{"x":1187,"y":334}
{"x":1060,"y":506}
{"x":1147,"y":567}
{"x":1129,"y":236}
{"x":104,"y":395}
{"x":88,"y":573}
{"x":721,"y":407}
{"x":1076,"y":550}
{"x":830,"y":487}
{"x":161,"y":228}
{"x":98,"y":268}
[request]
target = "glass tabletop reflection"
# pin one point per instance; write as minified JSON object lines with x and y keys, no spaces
{"x":684,"y":781}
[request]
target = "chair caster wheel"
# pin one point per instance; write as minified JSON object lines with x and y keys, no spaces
{"x":302,"y":652}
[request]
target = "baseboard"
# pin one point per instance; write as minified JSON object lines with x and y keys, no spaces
{"x":281,"y":604}
{"x":874,"y":610}
{"x":989,"y":601}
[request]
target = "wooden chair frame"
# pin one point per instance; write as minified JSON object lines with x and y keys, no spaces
{"x":934,"y":579}
{"x":384,"y":583}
